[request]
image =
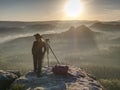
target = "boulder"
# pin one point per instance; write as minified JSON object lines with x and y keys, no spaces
{"x":7,"y":77}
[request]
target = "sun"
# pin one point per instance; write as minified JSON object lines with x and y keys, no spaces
{"x":73,"y":8}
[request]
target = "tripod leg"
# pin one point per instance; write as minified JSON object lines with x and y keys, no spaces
{"x":48,"y":54}
{"x":48,"y":59}
{"x":54,"y":54}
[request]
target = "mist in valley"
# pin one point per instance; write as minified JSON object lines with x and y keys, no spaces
{"x":81,"y":45}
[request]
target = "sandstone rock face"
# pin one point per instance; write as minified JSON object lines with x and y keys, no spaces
{"x":80,"y":37}
{"x":7,"y":77}
{"x":76,"y":79}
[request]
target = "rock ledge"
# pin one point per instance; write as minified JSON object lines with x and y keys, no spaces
{"x":77,"y":79}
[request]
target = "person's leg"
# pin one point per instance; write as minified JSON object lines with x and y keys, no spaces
{"x":35,"y":63}
{"x":39,"y":65}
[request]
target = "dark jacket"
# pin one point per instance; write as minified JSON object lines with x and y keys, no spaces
{"x":39,"y":47}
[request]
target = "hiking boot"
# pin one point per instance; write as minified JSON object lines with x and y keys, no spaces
{"x":39,"y":75}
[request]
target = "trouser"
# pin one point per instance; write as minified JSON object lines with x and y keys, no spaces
{"x":37,"y":61}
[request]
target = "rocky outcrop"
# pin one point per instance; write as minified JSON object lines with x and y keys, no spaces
{"x":76,"y":79}
{"x":105,"y":26}
{"x":80,"y":37}
{"x":78,"y":32}
{"x":7,"y":77}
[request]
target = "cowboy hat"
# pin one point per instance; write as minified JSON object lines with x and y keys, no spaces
{"x":38,"y":35}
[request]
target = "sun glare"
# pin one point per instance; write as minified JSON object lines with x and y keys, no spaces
{"x":73,"y":8}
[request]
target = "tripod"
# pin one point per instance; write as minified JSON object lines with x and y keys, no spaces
{"x":48,"y":47}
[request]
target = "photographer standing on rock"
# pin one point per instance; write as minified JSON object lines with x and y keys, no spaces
{"x":38,"y":52}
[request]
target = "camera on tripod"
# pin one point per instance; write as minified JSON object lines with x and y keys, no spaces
{"x":57,"y":69}
{"x":48,"y":47}
{"x":47,"y":40}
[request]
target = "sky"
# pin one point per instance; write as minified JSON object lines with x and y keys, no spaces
{"x":46,"y":10}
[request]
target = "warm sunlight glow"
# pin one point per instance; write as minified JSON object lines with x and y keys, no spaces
{"x":73,"y":8}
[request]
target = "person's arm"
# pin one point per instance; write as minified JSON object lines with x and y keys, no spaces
{"x":44,"y":46}
{"x":33,"y":51}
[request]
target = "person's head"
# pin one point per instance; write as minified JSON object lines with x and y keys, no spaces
{"x":37,"y":36}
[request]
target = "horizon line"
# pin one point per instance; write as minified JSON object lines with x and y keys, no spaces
{"x":56,"y":20}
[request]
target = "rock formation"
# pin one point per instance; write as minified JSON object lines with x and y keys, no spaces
{"x":82,"y":37}
{"x":7,"y":77}
{"x":76,"y":79}
{"x":105,"y":26}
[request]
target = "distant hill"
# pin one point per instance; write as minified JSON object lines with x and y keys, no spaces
{"x":82,"y":36}
{"x":8,"y":30}
{"x":78,"y":32}
{"x":57,"y":23}
{"x":114,"y":22}
{"x":105,"y":26}
{"x":41,"y":26}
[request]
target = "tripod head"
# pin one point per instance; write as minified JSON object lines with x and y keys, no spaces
{"x":47,"y":40}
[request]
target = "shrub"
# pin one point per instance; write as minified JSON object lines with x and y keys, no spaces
{"x":111,"y":84}
{"x":18,"y":87}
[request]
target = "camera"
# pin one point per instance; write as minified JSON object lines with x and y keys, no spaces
{"x":47,"y":40}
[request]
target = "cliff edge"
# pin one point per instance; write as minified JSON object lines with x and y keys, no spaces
{"x":76,"y":79}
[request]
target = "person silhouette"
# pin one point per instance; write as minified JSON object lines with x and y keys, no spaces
{"x":38,"y":52}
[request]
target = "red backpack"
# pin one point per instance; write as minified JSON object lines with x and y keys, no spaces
{"x":60,"y":69}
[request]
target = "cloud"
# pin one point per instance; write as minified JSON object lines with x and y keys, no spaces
{"x":109,"y":4}
{"x":101,"y":6}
